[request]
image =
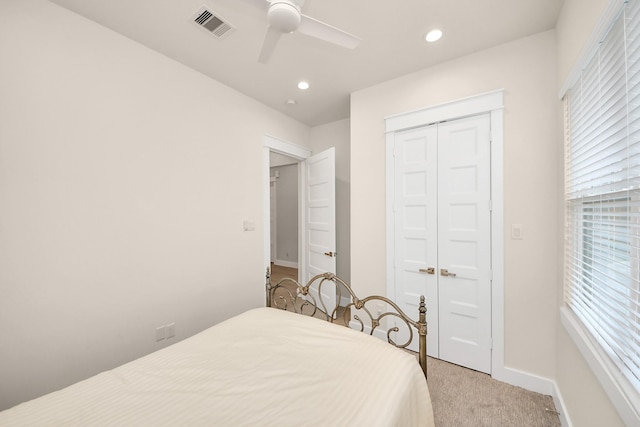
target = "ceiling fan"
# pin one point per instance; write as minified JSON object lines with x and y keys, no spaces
{"x":284,"y":16}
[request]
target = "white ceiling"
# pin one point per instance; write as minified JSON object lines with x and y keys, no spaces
{"x":392,"y":34}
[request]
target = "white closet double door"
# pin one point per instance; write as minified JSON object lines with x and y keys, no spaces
{"x":442,"y":235}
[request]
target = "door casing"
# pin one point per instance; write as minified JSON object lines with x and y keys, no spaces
{"x":302,"y":154}
{"x":492,"y":103}
{"x":276,"y":145}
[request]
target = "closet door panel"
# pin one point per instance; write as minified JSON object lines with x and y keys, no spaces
{"x":415,"y":229}
{"x":464,"y":242}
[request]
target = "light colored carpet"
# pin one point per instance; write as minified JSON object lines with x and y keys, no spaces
{"x":462,"y":397}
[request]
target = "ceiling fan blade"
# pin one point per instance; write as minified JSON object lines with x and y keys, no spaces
{"x":269,"y":44}
{"x":314,"y":28}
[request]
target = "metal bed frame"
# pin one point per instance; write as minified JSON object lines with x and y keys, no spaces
{"x":290,"y":295}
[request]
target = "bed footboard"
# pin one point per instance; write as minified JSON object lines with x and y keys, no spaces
{"x":308,"y":299}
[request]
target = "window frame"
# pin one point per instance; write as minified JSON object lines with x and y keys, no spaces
{"x":623,"y":394}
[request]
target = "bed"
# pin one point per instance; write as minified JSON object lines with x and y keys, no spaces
{"x":264,"y":367}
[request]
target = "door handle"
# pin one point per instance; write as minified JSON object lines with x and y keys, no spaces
{"x":330,"y":254}
{"x":445,"y":272}
{"x":429,"y":270}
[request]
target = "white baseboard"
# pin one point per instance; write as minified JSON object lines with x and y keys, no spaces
{"x":536,"y":384}
{"x":282,"y":263}
{"x":525,"y":380}
{"x":565,"y":421}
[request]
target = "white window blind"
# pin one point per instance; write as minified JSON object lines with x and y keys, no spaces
{"x":602,"y":155}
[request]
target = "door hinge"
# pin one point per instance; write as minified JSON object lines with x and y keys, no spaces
{"x":490,"y":205}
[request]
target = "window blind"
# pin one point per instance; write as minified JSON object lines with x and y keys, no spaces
{"x":602,"y":194}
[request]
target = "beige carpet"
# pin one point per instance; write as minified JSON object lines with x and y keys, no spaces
{"x":462,"y":397}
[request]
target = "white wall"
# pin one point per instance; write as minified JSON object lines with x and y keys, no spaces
{"x":585,"y":401}
{"x":336,"y":134}
{"x":118,"y":214}
{"x":526,"y":70}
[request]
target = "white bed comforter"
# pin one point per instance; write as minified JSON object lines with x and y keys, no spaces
{"x":265,"y":367}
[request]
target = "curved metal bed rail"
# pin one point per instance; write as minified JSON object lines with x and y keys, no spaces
{"x":307,"y":299}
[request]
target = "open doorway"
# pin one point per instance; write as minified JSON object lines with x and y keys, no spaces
{"x":316,"y":208}
{"x":284,"y":211}
{"x":273,"y":148}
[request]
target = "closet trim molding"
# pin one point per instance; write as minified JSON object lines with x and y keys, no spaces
{"x":493,"y":104}
{"x":482,"y":103}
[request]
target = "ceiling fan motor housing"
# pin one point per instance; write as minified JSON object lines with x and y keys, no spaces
{"x":284,"y":16}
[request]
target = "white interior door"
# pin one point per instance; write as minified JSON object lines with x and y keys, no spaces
{"x":464,"y":242}
{"x":442,"y":232}
{"x":319,"y":220}
{"x":416,"y":226}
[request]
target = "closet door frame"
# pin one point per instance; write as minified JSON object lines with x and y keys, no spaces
{"x":492,"y":103}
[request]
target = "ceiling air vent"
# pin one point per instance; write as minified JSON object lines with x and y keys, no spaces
{"x":212,"y":23}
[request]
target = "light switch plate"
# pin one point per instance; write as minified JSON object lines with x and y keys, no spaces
{"x":171,"y":330}
{"x":517,"y":232}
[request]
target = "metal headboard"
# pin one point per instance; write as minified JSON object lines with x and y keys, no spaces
{"x":290,"y":295}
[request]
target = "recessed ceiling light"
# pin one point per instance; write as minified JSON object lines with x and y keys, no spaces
{"x":303,"y":85}
{"x":433,"y":36}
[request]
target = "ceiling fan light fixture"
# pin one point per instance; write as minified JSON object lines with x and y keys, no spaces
{"x":284,"y":16}
{"x":433,"y":36}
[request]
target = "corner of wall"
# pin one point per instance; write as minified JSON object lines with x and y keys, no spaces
{"x":561,"y":407}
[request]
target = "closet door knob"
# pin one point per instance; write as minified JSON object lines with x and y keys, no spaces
{"x":445,"y":272}
{"x":429,"y":270}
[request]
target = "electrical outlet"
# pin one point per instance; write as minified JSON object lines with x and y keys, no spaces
{"x":160,"y":331}
{"x":171,"y":330}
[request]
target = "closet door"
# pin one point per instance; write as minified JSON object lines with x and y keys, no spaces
{"x":416,"y":227}
{"x":464,"y":242}
{"x":442,"y":236}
